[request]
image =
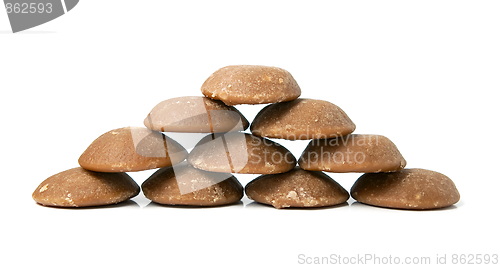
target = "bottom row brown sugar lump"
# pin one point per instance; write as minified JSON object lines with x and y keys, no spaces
{"x":184,"y":185}
{"x":296,"y":188}
{"x":78,"y":187}
{"x":406,"y":189}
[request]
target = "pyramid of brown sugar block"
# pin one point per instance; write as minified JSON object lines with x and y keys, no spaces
{"x":131,"y":149}
{"x":78,"y":187}
{"x":406,"y":189}
{"x":238,"y":152}
{"x":203,"y":177}
{"x":185,"y":185}
{"x":195,"y":115}
{"x":296,"y":188}
{"x":251,"y":84}
{"x":302,"y":119}
{"x":352,"y":153}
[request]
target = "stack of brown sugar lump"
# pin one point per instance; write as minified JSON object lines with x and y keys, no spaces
{"x":203,"y":177}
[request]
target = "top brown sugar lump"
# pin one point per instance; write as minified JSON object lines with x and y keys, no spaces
{"x":195,"y":115}
{"x":78,"y":187}
{"x":302,"y":119}
{"x":237,"y":152}
{"x":251,"y":84}
{"x":406,"y":189}
{"x":131,"y":149}
{"x":352,"y":153}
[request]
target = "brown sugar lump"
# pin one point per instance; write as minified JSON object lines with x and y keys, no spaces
{"x":406,"y":189}
{"x":238,"y":152}
{"x":251,"y":84}
{"x":352,"y":153}
{"x":78,"y":187}
{"x":131,"y":149}
{"x":296,"y":188}
{"x":302,"y":119}
{"x":185,"y":185}
{"x":195,"y":115}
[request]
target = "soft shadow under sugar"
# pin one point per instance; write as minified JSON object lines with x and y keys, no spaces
{"x":128,"y":203}
{"x":254,"y":204}
{"x":358,"y":205}
{"x":157,"y":205}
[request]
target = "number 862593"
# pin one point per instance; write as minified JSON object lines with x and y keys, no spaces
{"x":28,"y":8}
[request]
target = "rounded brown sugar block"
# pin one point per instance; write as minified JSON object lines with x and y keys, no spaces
{"x":406,"y":189}
{"x":352,"y":153}
{"x":302,"y":119}
{"x":185,"y":185}
{"x":296,"y":188}
{"x":78,"y":187}
{"x":251,"y":84}
{"x":131,"y":149}
{"x":195,"y":115}
{"x":238,"y":152}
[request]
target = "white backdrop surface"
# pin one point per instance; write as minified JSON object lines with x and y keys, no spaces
{"x":423,"y":73}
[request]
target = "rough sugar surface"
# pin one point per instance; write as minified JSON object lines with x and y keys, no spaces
{"x":302,"y":119}
{"x":251,"y":84}
{"x":352,"y":153}
{"x":406,"y":189}
{"x":78,"y":187}
{"x":131,"y":149}
{"x":185,"y":185}
{"x":296,"y":188}
{"x":195,"y":114}
{"x":238,"y":152}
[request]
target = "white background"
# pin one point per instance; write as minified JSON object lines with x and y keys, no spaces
{"x":423,"y":73}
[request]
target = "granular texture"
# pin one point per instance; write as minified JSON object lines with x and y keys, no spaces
{"x":352,"y":153}
{"x":302,"y":119}
{"x":251,"y":84}
{"x":78,"y":187}
{"x":238,"y":152}
{"x":131,"y":149}
{"x":406,"y":189}
{"x":195,"y":115}
{"x":296,"y":188}
{"x":185,"y":185}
